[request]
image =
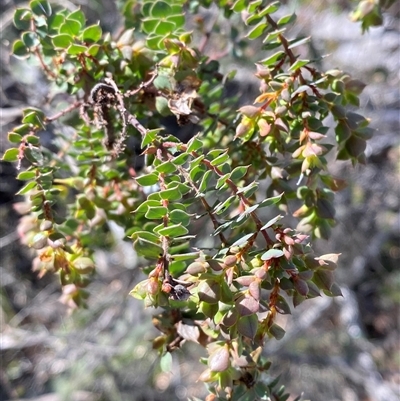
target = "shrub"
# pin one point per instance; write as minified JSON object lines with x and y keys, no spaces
{"x":273,"y":154}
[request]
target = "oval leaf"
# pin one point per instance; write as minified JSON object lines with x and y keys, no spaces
{"x":218,"y":361}
{"x":248,"y":325}
{"x":92,"y":34}
{"x":272,"y":254}
{"x":10,"y":155}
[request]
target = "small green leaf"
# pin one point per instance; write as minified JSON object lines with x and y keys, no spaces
{"x":28,"y":187}
{"x":221,"y":181}
{"x":173,"y":231}
{"x":272,"y":254}
{"x":179,"y":22}
{"x":271,"y":222}
{"x":83,"y":265}
{"x":156,"y":212}
{"x":40,"y":7}
{"x":270,"y":8}
{"x":23,"y":129}
{"x":287,"y":19}
{"x":325,"y":209}
{"x":22,"y":18}
{"x":166,"y":167}
{"x":257,"y":31}
{"x":79,"y":16}
{"x":220,"y":159}
{"x":149,"y":25}
{"x":271,"y":201}
{"x":298,"y":64}
{"x":75,"y":49}
{"x":239,"y":5}
{"x":222,"y":206}
{"x":140,"y":290}
{"x":277,"y":331}
{"x":248,"y":325}
{"x":342,"y":131}
{"x":160,"y":9}
{"x":253,"y":5}
{"x":148,"y":236}
{"x":10,"y":155}
{"x":185,"y":256}
{"x":249,"y":190}
{"x":338,"y":111}
{"x":92,"y":34}
{"x":246,"y":213}
{"x":181,"y":159}
{"x":215,"y":153}
{"x":205,"y":181}
{"x":30,"y":39}
{"x":197,"y":172}
{"x":274,"y":58}
{"x":273,"y":35}
{"x":19,"y":49}
{"x":88,"y":206}
{"x":147,"y":179}
{"x":34,"y":155}
{"x":179,"y":217}
{"x":323,"y":279}
{"x":364,"y":133}
{"x":34,"y":119}
{"x":62,"y":41}
{"x":195,"y":162}
{"x":164,"y":82}
{"x":336,"y":291}
{"x":93,"y":50}
{"x":54,"y":22}
{"x":14,"y":138}
{"x":70,"y":27}
{"x":32,"y":139}
{"x":356,"y":146}
{"x":171,"y":194}
{"x":164,"y":28}
{"x":194,"y":144}
{"x":150,"y":136}
{"x":147,"y":248}
{"x":162,"y":106}
{"x":222,"y":227}
{"x":26,"y":175}
{"x":238,"y":173}
{"x":243,"y":240}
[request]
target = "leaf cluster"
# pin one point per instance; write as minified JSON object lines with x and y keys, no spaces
{"x":227,"y":297}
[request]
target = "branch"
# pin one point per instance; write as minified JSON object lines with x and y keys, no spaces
{"x":62,"y":113}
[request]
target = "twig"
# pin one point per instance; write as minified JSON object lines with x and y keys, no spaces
{"x":73,"y":106}
{"x":136,"y":124}
{"x":143,"y":85}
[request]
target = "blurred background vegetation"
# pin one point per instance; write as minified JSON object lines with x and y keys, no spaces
{"x":335,"y":349}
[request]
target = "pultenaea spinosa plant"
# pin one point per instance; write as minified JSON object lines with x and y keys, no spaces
{"x":226,"y":297}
